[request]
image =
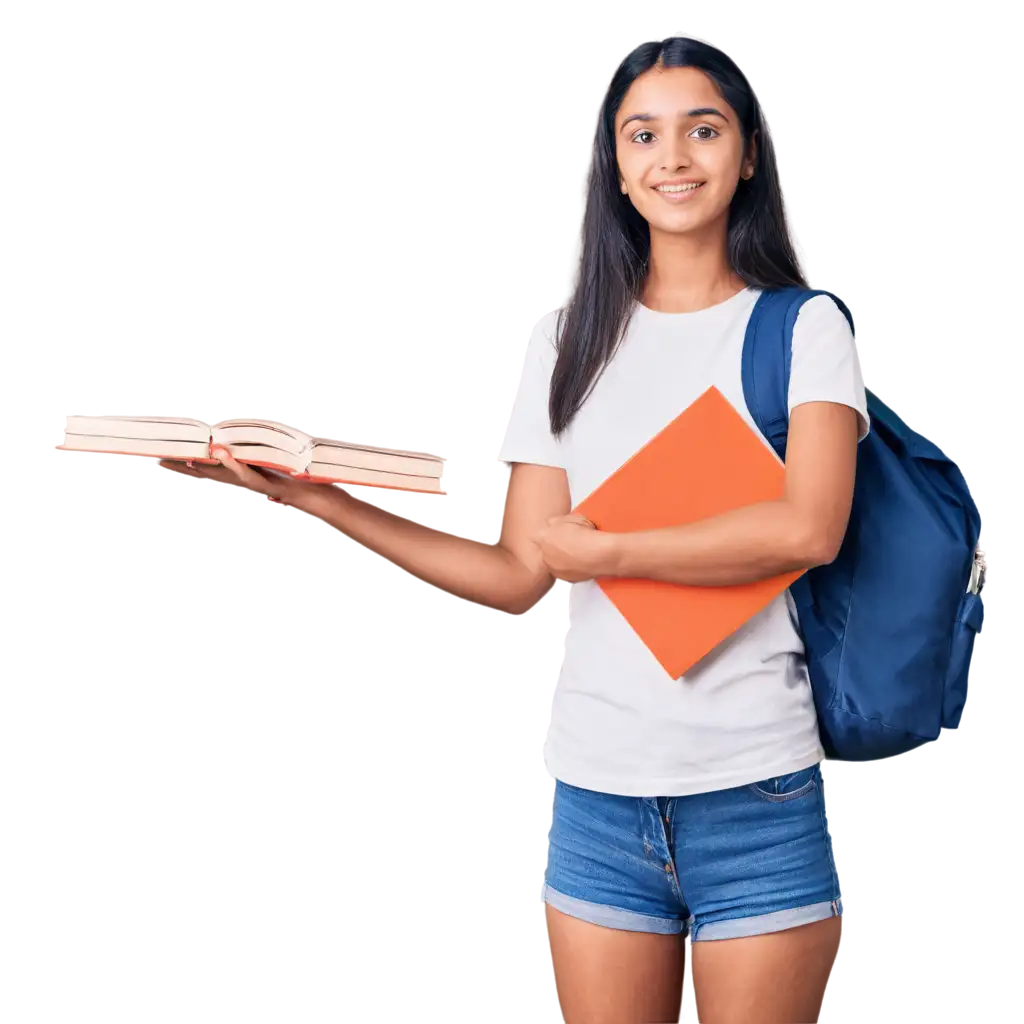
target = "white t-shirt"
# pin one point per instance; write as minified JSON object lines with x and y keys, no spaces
{"x":744,"y":712}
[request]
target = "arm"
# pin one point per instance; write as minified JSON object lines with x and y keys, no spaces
{"x":802,"y":529}
{"x":509,"y":575}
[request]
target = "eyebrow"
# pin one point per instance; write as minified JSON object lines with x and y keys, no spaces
{"x":696,"y":112}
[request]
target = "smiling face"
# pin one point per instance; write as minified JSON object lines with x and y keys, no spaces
{"x":672,"y":130}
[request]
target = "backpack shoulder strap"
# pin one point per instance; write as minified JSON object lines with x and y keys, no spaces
{"x":767,"y":354}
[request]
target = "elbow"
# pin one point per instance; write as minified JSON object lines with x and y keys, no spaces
{"x":815,"y":544}
{"x":825,"y":556}
{"x":520,"y":605}
{"x":821,"y":549}
{"x":521,"y":599}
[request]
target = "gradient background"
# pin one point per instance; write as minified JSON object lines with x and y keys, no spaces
{"x":348,"y":218}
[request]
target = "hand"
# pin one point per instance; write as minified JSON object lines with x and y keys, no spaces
{"x":230,"y":471}
{"x":285,"y":490}
{"x":215,"y":476}
{"x":573,"y":549}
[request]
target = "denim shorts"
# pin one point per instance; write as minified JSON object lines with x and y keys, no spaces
{"x":719,"y":865}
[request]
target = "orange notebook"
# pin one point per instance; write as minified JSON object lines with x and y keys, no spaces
{"x":706,"y":461}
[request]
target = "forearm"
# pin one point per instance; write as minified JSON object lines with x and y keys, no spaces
{"x":483,"y":573}
{"x":745,"y":544}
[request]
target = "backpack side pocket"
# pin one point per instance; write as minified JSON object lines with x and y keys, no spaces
{"x":969,"y":619}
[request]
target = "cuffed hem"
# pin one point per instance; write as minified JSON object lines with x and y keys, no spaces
{"x":611,"y":917}
{"x":762,"y":924}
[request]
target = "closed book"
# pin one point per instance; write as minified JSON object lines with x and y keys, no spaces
{"x":706,"y":461}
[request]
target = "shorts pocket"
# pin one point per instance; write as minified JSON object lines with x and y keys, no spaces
{"x":783,"y":788}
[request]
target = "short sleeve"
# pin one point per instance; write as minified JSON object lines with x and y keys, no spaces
{"x":825,"y":366}
{"x":528,"y":437}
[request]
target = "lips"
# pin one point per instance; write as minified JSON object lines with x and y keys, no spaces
{"x":673,"y":186}
{"x":679,"y":197}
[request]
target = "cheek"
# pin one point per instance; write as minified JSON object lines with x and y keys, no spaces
{"x":726,"y":170}
{"x":635,"y":161}
{"x":628,"y":171}
{"x":721,"y":169}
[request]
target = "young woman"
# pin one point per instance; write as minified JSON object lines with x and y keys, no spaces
{"x":681,"y":806}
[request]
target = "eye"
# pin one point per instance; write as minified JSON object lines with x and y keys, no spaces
{"x":643,"y":131}
{"x":699,"y":128}
{"x":708,"y":128}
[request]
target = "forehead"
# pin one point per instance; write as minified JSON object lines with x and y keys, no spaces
{"x":666,"y":92}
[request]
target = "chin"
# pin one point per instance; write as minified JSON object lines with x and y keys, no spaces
{"x":682,"y":222}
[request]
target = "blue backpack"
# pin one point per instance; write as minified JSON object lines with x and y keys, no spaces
{"x":889,"y":625}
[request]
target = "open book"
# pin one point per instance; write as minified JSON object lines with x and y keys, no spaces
{"x":259,"y":443}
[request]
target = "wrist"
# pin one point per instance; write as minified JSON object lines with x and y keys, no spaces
{"x":609,"y":561}
{"x":316,"y":499}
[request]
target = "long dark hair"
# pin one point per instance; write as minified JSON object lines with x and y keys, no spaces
{"x":616,"y":241}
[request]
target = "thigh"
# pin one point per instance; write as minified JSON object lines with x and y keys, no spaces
{"x":776,"y":977}
{"x":609,"y":976}
{"x":610,"y":862}
{"x":615,"y":919}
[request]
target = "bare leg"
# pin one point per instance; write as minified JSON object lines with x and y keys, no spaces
{"x":610,"y":976}
{"x":777,"y":978}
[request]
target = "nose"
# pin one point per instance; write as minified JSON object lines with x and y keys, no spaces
{"x":676,"y":150}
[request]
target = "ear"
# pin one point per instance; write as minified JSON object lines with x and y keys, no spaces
{"x":752,"y":148}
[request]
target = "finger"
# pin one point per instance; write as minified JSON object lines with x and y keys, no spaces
{"x":188,"y":468}
{"x":569,"y":575}
{"x":247,"y":475}
{"x":264,"y":481}
{"x":217,"y":476}
{"x":581,"y":520}
{"x":169,"y":465}
{"x":214,"y":476}
{"x":227,"y":460}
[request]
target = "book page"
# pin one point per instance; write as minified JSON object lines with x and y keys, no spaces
{"x":462,"y":437}
{"x":267,"y":429}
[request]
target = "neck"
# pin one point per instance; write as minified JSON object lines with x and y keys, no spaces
{"x":689,"y":271}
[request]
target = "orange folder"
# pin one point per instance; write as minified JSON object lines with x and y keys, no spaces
{"x":706,"y":461}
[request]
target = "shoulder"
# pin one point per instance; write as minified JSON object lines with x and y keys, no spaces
{"x":540,"y":346}
{"x":541,"y":351}
{"x":825,"y":365}
{"x":820,"y":313}
{"x":543,"y":338}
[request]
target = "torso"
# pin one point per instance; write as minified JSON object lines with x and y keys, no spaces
{"x":619,"y":723}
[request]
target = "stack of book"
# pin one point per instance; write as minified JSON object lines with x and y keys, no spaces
{"x":257,"y":443}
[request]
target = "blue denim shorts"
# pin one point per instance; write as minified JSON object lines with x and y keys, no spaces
{"x":720,"y":865}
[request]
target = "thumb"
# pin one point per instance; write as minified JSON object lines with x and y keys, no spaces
{"x":575,"y":517}
{"x":246,"y":474}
